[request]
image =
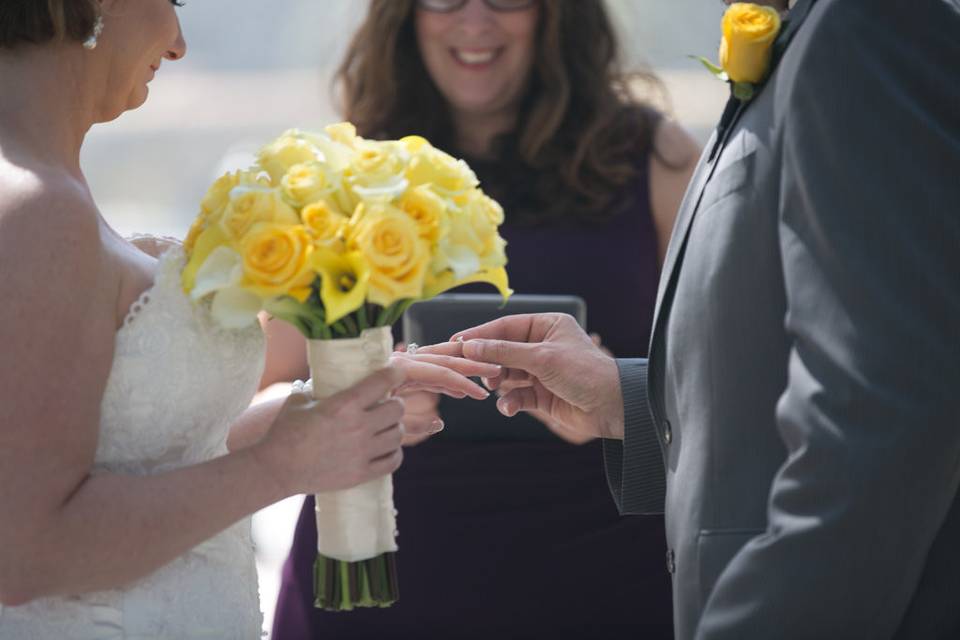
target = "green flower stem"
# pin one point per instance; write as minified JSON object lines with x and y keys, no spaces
{"x":716,"y":70}
{"x":344,"y":586}
{"x":398,"y":310}
{"x":351,"y":326}
{"x":362,"y":323}
{"x":743,"y":91}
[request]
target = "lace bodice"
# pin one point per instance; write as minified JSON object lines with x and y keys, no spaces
{"x":177,"y":383}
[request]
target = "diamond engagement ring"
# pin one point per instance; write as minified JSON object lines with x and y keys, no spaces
{"x":412,"y":348}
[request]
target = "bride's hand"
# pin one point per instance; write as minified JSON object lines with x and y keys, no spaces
{"x":315,"y":446}
{"x":421,"y":417}
{"x":444,"y":374}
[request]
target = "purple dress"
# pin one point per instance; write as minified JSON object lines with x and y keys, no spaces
{"x":506,"y":530}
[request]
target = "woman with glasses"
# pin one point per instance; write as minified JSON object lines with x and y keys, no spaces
{"x":508,"y":528}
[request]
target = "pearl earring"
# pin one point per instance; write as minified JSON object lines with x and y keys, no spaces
{"x":91,"y":43}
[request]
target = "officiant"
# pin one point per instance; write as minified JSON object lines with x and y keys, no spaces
{"x":508,"y":528}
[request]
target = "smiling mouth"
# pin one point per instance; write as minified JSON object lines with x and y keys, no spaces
{"x":475,"y":58}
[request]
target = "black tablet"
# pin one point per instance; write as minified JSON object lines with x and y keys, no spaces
{"x":435,"y":320}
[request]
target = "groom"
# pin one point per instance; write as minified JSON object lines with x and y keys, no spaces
{"x":799,"y":416}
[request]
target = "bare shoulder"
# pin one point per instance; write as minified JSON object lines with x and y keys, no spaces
{"x":51,"y":254}
{"x":58,"y":281}
{"x":672,"y":162}
{"x":674,"y":149}
{"x":44,"y":217}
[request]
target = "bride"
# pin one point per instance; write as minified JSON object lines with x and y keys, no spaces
{"x":129,"y":461}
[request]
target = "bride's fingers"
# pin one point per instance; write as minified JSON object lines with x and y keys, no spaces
{"x":469,"y":368}
{"x":420,"y":401}
{"x":454,"y":349}
{"x":415,"y":387}
{"x":423,"y":375}
{"x":386,"y":441}
{"x":422,"y":424}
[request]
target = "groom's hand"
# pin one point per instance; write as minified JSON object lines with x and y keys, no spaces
{"x":551,"y":367}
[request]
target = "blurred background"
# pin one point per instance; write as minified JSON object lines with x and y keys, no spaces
{"x":254,"y":69}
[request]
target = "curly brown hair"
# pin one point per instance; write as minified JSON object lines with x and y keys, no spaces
{"x":580,"y":135}
{"x":40,"y":21}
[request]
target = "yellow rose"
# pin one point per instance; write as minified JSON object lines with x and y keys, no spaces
{"x":277,"y":260}
{"x":749,"y":31}
{"x":250,"y":205}
{"x":343,"y":282}
{"x":471,"y":250}
{"x":377,"y":169}
{"x":323,"y":222}
{"x":215,"y":202}
{"x":343,"y":132}
{"x":429,"y":166}
{"x":389,"y":240}
{"x":286,"y":151}
{"x":198,"y":226}
{"x":335,"y":145}
{"x":428,"y":210}
{"x":218,"y":195}
{"x":475,"y":227}
{"x":306,"y":182}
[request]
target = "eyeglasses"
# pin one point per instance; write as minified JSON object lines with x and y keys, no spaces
{"x":449,"y":6}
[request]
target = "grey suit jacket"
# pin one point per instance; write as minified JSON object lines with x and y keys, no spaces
{"x":803,"y":387}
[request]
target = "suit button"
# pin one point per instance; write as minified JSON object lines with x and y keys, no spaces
{"x":667,"y":432}
{"x":671,"y":562}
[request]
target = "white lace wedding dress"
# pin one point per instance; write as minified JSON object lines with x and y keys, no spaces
{"x":177,"y":382}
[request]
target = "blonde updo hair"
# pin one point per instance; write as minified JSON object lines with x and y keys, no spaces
{"x":40,"y":21}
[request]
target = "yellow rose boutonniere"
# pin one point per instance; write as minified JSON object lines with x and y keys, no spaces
{"x":749,"y":31}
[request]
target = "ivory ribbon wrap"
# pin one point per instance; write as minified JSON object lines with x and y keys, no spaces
{"x":358,"y":523}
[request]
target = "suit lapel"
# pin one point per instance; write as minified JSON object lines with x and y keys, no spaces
{"x":731,"y":114}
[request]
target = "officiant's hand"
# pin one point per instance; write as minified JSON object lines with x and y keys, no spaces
{"x":551,"y":367}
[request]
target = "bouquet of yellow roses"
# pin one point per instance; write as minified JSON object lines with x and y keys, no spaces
{"x":338,"y":235}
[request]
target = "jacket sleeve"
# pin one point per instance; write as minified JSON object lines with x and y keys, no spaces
{"x":870,"y":242}
{"x":634,"y":465}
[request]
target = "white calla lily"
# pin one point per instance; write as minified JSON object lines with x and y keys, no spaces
{"x":235,"y":308}
{"x":222,"y":268}
{"x":463,"y":261}
{"x":386,"y":191}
